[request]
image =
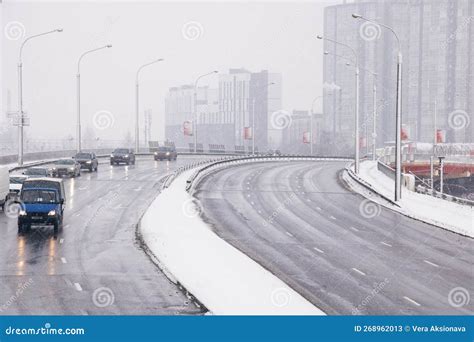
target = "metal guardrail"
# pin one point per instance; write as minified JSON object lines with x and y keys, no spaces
{"x":426,"y":191}
{"x":198,"y":174}
{"x":367,"y":185}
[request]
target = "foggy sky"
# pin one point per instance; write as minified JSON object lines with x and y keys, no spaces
{"x":277,"y":36}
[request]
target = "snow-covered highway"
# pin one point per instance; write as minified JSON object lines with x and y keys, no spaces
{"x":340,"y":251}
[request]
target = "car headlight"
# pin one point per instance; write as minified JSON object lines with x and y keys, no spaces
{"x":156,"y":153}
{"x":112,"y":156}
{"x":71,"y":169}
{"x":52,"y":213}
{"x":22,"y":213}
{"x":126,"y":156}
{"x":88,"y":162}
{"x":167,"y":153}
{"x":53,"y":169}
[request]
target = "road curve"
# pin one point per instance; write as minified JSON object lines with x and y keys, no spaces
{"x":341,"y":252}
{"x":94,"y":265}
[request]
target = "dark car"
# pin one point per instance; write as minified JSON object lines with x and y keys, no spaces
{"x":87,"y":161}
{"x":122,"y":155}
{"x":66,"y":167}
{"x":273,"y":153}
{"x":166,"y":152}
{"x":36,"y":172}
{"x":43,"y":203}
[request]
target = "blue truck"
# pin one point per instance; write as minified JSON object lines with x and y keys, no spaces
{"x":42,"y":203}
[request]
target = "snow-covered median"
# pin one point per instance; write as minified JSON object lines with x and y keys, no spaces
{"x":448,"y":215}
{"x":221,"y":277}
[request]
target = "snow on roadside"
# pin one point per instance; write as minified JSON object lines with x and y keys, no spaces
{"x":221,"y":277}
{"x":448,"y":215}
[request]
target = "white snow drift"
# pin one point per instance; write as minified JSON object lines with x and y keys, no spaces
{"x":448,"y":215}
{"x":221,"y":277}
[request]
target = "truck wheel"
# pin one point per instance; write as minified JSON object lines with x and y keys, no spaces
{"x":23,"y":228}
{"x":57,"y":225}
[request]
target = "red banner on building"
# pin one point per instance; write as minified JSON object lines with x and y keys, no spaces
{"x":404,"y":134}
{"x":306,"y":137}
{"x":188,"y":128}
{"x":248,"y":133}
{"x":440,"y":136}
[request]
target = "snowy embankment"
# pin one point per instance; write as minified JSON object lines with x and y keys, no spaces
{"x":221,"y":277}
{"x":448,"y":215}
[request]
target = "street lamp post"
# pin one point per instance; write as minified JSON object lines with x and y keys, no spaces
{"x":398,"y":119}
{"x":311,"y":124}
{"x":21,"y":116}
{"x":78,"y":89}
{"x":195,"y":107}
{"x":253,"y":114}
{"x":374,"y":90}
{"x":137,"y":111}
{"x":356,"y":158}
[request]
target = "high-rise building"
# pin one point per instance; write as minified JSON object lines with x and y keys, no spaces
{"x":438,"y":48}
{"x":297,"y":136}
{"x":225,"y":114}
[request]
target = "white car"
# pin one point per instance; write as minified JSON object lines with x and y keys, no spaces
{"x":4,"y":186}
{"x":16,"y":184}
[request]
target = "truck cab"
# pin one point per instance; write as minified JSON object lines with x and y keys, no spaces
{"x":42,"y":203}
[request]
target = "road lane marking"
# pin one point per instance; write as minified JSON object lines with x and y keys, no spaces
{"x":77,"y":214}
{"x":386,"y":244}
{"x":354,"y":229}
{"x":289,"y":234}
{"x":332,"y":217}
{"x":61,"y":241}
{"x":431,"y":263}
{"x":78,"y":286}
{"x":318,"y":208}
{"x":252,"y":203}
{"x":319,"y":250}
{"x":411,"y":301}
{"x":63,"y":260}
{"x":358,"y":271}
{"x":66,"y":226}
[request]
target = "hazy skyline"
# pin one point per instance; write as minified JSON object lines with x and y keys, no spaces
{"x":277,"y":36}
